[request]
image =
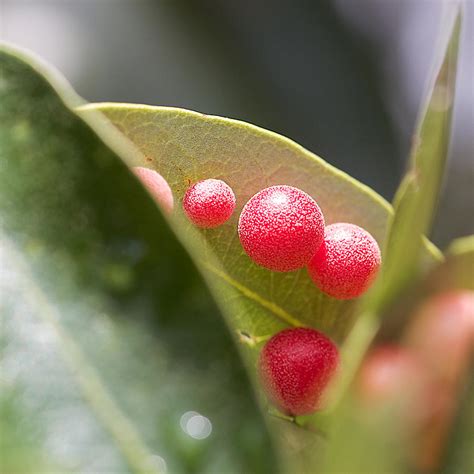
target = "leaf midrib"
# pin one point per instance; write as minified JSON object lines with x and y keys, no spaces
{"x":248,"y":293}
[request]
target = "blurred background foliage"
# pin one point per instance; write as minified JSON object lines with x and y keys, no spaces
{"x":344,"y":78}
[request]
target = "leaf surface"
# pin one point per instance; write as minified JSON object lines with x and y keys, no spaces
{"x":185,"y":147}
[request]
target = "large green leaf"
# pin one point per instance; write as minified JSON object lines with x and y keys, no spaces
{"x":187,"y":146}
{"x":108,"y":334}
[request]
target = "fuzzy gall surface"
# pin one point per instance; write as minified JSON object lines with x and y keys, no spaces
{"x":157,"y":186}
{"x":209,"y":203}
{"x":281,"y":227}
{"x":295,"y":368}
{"x":347,"y":262}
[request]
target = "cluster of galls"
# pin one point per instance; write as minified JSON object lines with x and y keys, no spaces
{"x":282,"y":229}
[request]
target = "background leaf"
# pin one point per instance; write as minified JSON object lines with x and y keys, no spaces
{"x":108,"y":333}
{"x":416,"y":199}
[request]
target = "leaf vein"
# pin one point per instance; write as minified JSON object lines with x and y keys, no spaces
{"x":247,"y":292}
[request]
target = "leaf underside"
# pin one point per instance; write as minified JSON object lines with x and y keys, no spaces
{"x":185,"y":147}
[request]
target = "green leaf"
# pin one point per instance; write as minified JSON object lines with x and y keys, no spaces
{"x":108,"y":333}
{"x":186,"y":146}
{"x":416,"y":199}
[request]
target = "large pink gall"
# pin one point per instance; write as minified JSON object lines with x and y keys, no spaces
{"x":281,"y":227}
